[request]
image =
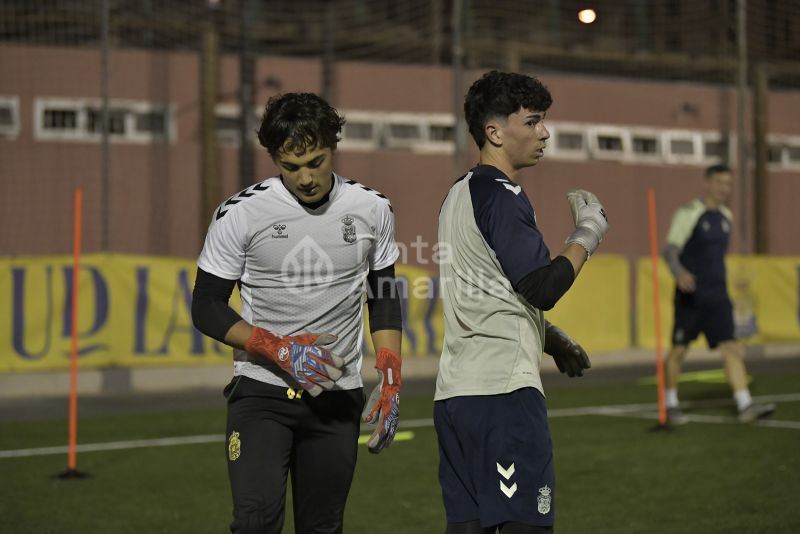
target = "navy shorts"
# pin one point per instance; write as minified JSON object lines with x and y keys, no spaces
{"x":696,"y":313}
{"x":496,"y":458}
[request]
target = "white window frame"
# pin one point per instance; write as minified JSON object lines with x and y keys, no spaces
{"x":617,"y":131}
{"x":793,"y":142}
{"x":81,"y":131}
{"x":227,"y":111}
{"x":714,"y":137}
{"x":138,"y":108}
{"x":362,"y":144}
{"x":404,"y":119}
{"x":641,"y":157}
{"x":10,"y":132}
{"x":780,"y":142}
{"x":554,"y":151}
{"x":696,"y":158}
{"x":40,"y":105}
{"x":436,"y":146}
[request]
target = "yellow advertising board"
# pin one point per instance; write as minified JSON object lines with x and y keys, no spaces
{"x":133,"y":310}
{"x":596,"y":311}
{"x":136,"y":311}
{"x":764,"y":291}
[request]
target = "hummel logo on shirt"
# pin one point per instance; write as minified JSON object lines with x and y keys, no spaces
{"x":279,"y":230}
{"x":513,"y":188}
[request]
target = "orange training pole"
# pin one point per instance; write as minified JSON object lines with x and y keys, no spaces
{"x":73,"y":375}
{"x":651,"y":209}
{"x":72,"y":472}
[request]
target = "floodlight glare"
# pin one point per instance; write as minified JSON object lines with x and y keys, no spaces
{"x":587,"y":16}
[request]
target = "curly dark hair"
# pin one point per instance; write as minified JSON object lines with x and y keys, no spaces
{"x":297,"y":122}
{"x":500,"y":94}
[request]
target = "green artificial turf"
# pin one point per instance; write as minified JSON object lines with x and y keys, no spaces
{"x":613,"y":473}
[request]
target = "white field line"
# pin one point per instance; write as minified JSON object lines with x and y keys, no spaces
{"x":643,"y":411}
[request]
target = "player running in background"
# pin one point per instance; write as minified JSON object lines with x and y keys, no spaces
{"x":300,"y":247}
{"x":496,"y":463}
{"x":695,"y":252}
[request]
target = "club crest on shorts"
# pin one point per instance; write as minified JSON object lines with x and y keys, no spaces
{"x":234,"y":446}
{"x":348,"y":229}
{"x":543,"y":500}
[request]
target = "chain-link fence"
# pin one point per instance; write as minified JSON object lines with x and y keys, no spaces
{"x":170,"y":77}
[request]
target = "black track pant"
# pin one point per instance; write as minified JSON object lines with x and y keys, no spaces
{"x":271,"y":433}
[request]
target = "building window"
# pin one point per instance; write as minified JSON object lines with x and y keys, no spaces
{"x":152,"y":122}
{"x":116,"y":121}
{"x":609,"y":143}
{"x":681,"y":147}
{"x":569,"y":141}
{"x":774,"y":153}
{"x":403,"y":132}
{"x":227,"y":129}
{"x":362,"y":131}
{"x":442,"y":133}
{"x":9,"y":117}
{"x":793,"y":154}
{"x":715,"y":149}
{"x":358,"y":131}
{"x":684,"y":146}
{"x":228,"y":124}
{"x":82,"y":120}
{"x":645,"y":145}
{"x":61,"y":119}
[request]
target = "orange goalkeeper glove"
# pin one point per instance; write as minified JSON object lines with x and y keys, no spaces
{"x":383,"y":406}
{"x":313,"y":367}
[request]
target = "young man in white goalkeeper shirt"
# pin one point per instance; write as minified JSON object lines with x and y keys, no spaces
{"x":496,"y":463}
{"x":301,"y":246}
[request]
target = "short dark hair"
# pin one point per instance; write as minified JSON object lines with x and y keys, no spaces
{"x":500,"y":94}
{"x":715,"y":169}
{"x":298,"y":122}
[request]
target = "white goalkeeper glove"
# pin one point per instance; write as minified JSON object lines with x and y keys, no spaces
{"x":591,"y":223}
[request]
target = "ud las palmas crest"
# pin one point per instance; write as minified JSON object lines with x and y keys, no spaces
{"x":348,"y":229}
{"x":543,"y":499}
{"x":234,"y":447}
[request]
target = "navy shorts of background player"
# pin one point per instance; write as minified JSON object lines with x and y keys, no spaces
{"x":708,"y":309}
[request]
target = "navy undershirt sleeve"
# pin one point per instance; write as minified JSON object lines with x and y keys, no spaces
{"x":505,"y":218}
{"x":544,"y":287}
